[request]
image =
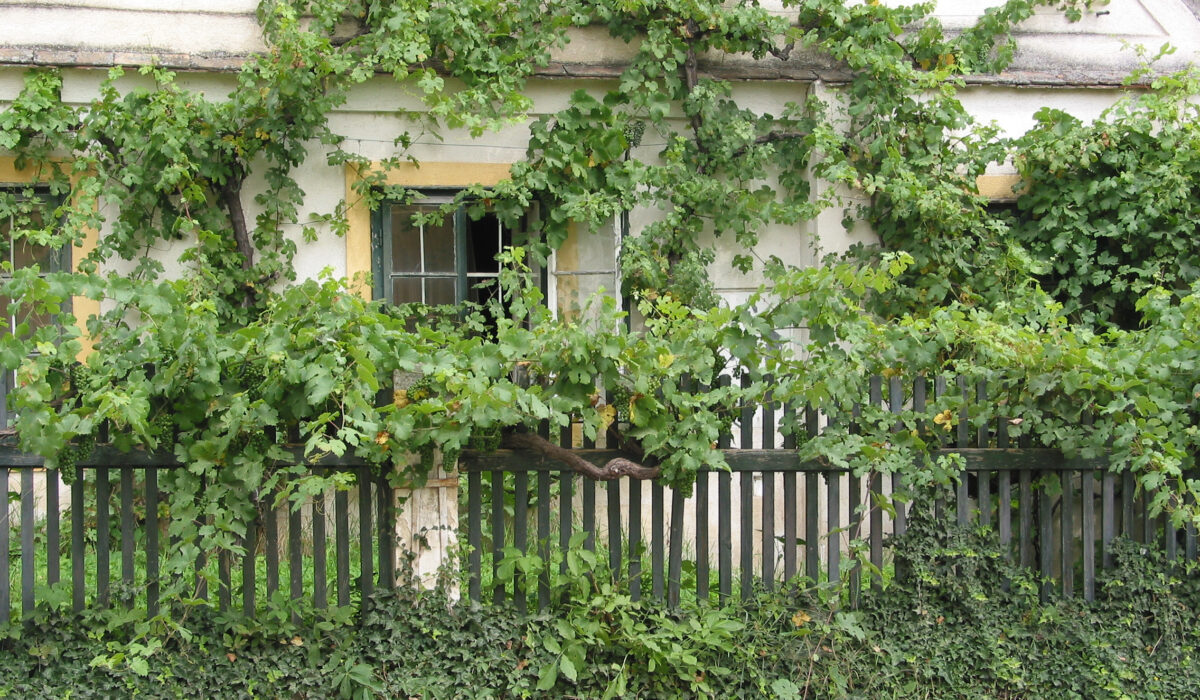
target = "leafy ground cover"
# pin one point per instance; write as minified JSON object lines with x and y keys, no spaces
{"x":960,"y":623}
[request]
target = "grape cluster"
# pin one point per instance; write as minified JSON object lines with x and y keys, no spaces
{"x":80,"y":375}
{"x":163,"y":426}
{"x":619,"y":399}
{"x":421,"y":389}
{"x":485,"y":439}
{"x":68,"y":458}
{"x":634,"y":131}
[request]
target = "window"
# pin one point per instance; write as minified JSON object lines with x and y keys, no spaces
{"x":447,"y":261}
{"x":20,"y":212}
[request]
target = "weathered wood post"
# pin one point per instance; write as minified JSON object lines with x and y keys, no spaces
{"x":427,"y":526}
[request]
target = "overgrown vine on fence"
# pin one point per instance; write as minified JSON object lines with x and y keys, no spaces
{"x":223,"y":363}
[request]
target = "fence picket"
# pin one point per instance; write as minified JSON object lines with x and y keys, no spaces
{"x":543,"y":525}
{"x":152,"y":550}
{"x":27,"y":530}
{"x":53,"y":529}
{"x":1088,"y":485}
{"x":341,"y":537}
{"x":320,"y":559}
{"x":520,"y":533}
{"x":249,"y":570}
{"x":702,"y":578}
{"x":675,"y":566}
{"x":103,"y":541}
{"x":5,"y":546}
{"x":78,"y":566}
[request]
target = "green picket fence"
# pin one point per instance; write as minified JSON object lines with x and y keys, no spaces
{"x":102,"y":540}
{"x":772,"y":517}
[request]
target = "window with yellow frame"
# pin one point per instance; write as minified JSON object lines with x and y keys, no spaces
{"x":23,"y":244}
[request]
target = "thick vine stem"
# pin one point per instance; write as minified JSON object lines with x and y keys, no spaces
{"x":231,"y":197}
{"x":613,"y":469}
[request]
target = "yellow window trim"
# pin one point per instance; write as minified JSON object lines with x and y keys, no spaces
{"x":429,"y":174}
{"x":81,"y":307}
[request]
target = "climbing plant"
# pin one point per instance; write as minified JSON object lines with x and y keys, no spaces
{"x":223,"y":361}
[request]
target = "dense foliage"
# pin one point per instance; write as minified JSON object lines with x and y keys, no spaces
{"x":222,"y":363}
{"x":962,"y":623}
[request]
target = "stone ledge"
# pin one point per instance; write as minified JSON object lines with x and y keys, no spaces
{"x":768,"y":72}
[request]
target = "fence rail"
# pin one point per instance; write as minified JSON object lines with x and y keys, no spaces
{"x":100,"y":540}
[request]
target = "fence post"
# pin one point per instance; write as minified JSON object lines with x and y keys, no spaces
{"x":427,"y":524}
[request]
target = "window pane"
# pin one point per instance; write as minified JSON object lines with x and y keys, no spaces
{"x":484,"y":239}
{"x":439,"y":246}
{"x":26,"y":254}
{"x":406,"y":290}
{"x":440,"y":291}
{"x":406,"y":241}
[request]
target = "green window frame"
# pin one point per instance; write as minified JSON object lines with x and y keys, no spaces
{"x":447,"y":261}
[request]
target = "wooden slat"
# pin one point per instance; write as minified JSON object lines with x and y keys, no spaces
{"x":1127,"y":494}
{"x":320,"y":558}
{"x":498,"y":536}
{"x":520,"y":535}
{"x":657,"y":541}
{"x":812,"y":534}
{"x":876,"y":537}
{"x":5,"y":547}
{"x":896,"y":406}
{"x":78,"y":565}
{"x":1004,"y":497}
{"x":702,"y":544}
{"x":855,"y":493}
{"x":833,"y":482}
{"x":790,"y":502}
{"x":613,"y":494}
{"x":366,"y":562}
{"x":724,"y":535}
{"x":1067,"y":533}
{"x":962,"y":502}
{"x":984,"y":478}
{"x":103,"y":539}
{"x":746,"y":532}
{"x":635,"y":538}
{"x":1045,"y":541}
{"x":152,"y":547}
{"x":543,"y":525}
{"x":224,"y":579}
{"x":566,"y":482}
{"x":1107,"y":519}
{"x":589,"y":513}
{"x":53,"y":530}
{"x":249,"y":570}
{"x":385,"y":524}
{"x":768,"y":495}
{"x":1025,"y":519}
{"x":675,"y":566}
{"x":790,"y":507}
{"x":341,"y":545}
{"x":474,"y":534}
{"x":1088,"y":485}
{"x":28,"y":555}
{"x":295,"y":554}
{"x":271,"y":540}
{"x":746,"y":498}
